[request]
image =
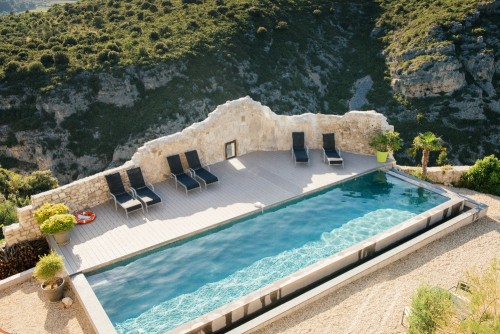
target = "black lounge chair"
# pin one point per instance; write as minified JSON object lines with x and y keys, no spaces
{"x":121,"y":196}
{"x":143,"y":192}
{"x":300,"y":152}
{"x":199,"y":171}
{"x":177,"y":172}
{"x":331,"y":154}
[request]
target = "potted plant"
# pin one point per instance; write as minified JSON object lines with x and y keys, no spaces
{"x":60,"y":226}
{"x":46,"y":271}
{"x":383,"y":142}
{"x":47,"y":210}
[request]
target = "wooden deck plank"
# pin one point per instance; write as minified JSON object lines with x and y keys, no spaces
{"x":266,"y":177}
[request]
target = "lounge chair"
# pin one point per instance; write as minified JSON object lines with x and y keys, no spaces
{"x":300,"y":152}
{"x":180,"y":177}
{"x":199,"y":171}
{"x":331,"y":154}
{"x":143,"y":192}
{"x":121,"y":196}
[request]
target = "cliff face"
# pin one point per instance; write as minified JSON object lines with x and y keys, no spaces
{"x":96,"y":120}
{"x":444,"y":70}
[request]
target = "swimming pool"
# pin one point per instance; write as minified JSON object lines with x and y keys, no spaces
{"x":166,"y":288}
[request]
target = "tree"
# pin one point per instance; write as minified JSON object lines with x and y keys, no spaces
{"x":427,"y":142}
{"x":47,"y":60}
{"x":61,"y":59}
{"x":37,"y":182}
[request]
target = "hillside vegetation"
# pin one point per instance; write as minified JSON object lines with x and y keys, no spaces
{"x":84,"y":84}
{"x":92,"y":35}
{"x":415,"y":29}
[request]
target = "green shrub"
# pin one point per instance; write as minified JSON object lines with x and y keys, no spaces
{"x":431,"y":308}
{"x":36,"y":68}
{"x":113,"y":57}
{"x":37,"y":182}
{"x":160,"y":48}
{"x":102,"y":56}
{"x":479,"y":31}
{"x":48,"y":267}
{"x":70,"y":41}
{"x":48,"y":210}
{"x":484,"y":299}
{"x":8,"y":214}
{"x":282,"y":25}
{"x":12,"y":68}
{"x":58,"y":223}
{"x":386,"y":141}
{"x":261,"y":31}
{"x":442,"y":159}
{"x":61,"y":59}
{"x":4,"y":182}
{"x":484,"y":176}
{"x":154,"y":36}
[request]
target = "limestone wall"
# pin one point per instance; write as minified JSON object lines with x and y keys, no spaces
{"x":254,"y":127}
{"x":78,"y":195}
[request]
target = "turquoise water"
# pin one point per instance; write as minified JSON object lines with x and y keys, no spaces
{"x":173,"y":285}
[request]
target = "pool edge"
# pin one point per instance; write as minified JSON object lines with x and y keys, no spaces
{"x":91,"y":305}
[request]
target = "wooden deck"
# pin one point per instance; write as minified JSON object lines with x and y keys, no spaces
{"x":265,"y":177}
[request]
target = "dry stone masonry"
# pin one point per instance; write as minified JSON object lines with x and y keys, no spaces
{"x":253,"y":126}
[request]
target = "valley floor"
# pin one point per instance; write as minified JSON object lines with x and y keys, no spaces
{"x":372,"y":304}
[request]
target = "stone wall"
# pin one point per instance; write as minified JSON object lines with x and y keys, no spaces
{"x":254,"y":127}
{"x":78,"y":195}
{"x":440,"y":175}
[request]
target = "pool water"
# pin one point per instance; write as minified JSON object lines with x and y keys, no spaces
{"x":173,"y":285}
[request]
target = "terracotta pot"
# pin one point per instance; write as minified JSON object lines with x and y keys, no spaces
{"x":56,"y":294}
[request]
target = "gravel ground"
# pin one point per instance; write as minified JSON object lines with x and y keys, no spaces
{"x":372,"y":304}
{"x":24,"y":309}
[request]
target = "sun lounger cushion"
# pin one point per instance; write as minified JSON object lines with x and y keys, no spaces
{"x":147,"y":196}
{"x":187,"y":181}
{"x":143,"y":192}
{"x":196,"y":166}
{"x":207,"y":176}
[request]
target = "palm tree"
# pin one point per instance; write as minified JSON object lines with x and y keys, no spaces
{"x":426,"y":142}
